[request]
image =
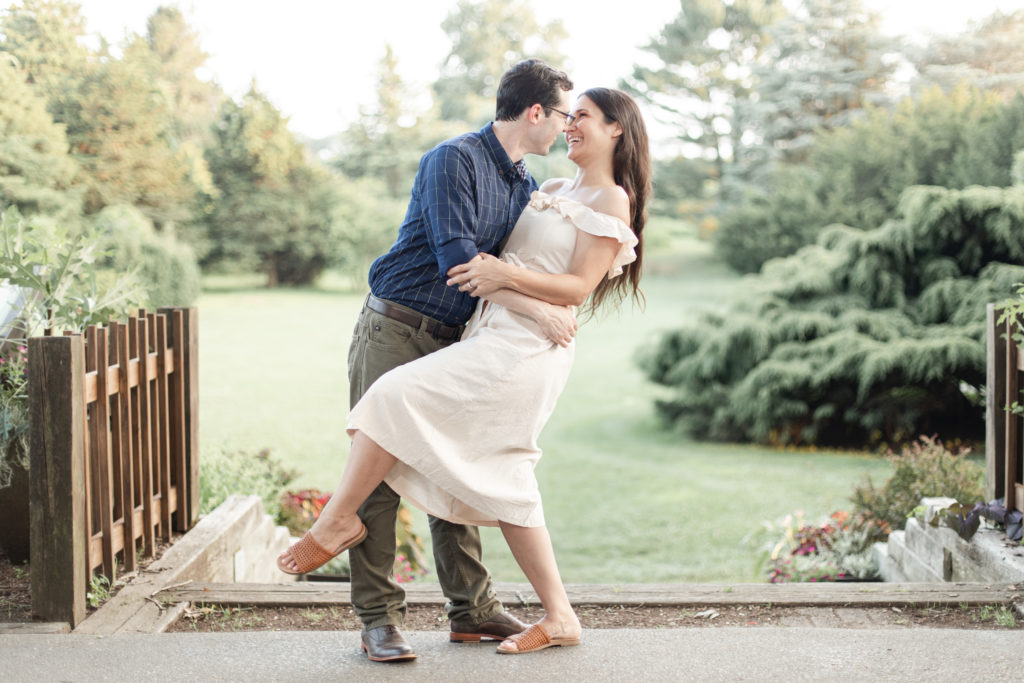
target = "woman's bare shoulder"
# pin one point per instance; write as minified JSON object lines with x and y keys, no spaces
{"x":613,"y":201}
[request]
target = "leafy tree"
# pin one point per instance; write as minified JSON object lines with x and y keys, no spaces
{"x":866,"y":336}
{"x":704,"y":60}
{"x":487,"y":37}
{"x":45,"y":36}
{"x":193,"y":102}
{"x":365,"y":223}
{"x":273,"y":208}
{"x":119,"y":127}
{"x":855,"y":174}
{"x":36,"y":173}
{"x":116,"y":119}
{"x":989,"y":54}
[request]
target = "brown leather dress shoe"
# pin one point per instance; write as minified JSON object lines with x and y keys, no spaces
{"x":499,"y":627}
{"x":386,"y":644}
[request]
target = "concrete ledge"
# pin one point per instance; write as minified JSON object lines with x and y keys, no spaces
{"x":35,"y":627}
{"x":840,"y":594}
{"x":206,"y":553}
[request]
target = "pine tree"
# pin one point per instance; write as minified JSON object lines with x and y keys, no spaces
{"x":487,"y":37}
{"x":705,"y":57}
{"x":826,"y":63}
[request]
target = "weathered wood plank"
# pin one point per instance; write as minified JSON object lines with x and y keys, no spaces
{"x":140,"y":348}
{"x":59,"y":512}
{"x":103,"y":484}
{"x":995,"y":414}
{"x":163,"y":451}
{"x":309,"y":593}
{"x":188,"y":339}
{"x":176,"y":417}
{"x":1012,"y":443}
{"x":126,"y":446}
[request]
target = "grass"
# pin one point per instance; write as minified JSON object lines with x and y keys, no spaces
{"x":625,"y":500}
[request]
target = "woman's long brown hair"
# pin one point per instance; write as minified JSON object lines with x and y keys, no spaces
{"x":631,"y":164}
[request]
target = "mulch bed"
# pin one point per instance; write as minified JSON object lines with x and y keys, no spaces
{"x":209,"y":618}
{"x":16,"y":584}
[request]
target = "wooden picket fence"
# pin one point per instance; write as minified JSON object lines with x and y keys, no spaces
{"x":114,"y":451}
{"x":1003,"y":443}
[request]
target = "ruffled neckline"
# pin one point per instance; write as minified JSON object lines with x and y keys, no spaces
{"x":543,"y":200}
{"x":594,"y":222}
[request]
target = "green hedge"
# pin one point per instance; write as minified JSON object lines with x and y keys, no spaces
{"x":865,"y":337}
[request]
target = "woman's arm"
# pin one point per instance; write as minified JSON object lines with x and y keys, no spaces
{"x":592,"y":258}
{"x":557,"y":323}
{"x":591,"y":261}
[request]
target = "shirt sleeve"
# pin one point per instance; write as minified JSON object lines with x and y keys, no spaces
{"x":449,"y":207}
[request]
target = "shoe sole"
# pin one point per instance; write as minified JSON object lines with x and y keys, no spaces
{"x":396,"y":658}
{"x":473,"y":637}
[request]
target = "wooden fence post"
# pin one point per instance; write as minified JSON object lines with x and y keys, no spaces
{"x":187,"y":338}
{"x":58,"y":512}
{"x":995,"y":413}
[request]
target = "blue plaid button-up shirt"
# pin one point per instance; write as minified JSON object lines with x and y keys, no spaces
{"x":466,"y":198}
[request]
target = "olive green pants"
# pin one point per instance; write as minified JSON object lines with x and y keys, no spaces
{"x":379,"y":344}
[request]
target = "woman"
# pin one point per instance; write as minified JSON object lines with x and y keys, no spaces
{"x":455,"y":432}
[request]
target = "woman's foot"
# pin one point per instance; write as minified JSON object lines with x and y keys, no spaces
{"x":325,"y":540}
{"x":552,"y":632}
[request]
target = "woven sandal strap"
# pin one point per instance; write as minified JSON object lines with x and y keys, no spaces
{"x":308,"y":554}
{"x":532,"y":638}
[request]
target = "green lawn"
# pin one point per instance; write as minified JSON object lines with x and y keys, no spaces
{"x":625,"y":500}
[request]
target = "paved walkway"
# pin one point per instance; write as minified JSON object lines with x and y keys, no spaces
{"x":696,"y":654}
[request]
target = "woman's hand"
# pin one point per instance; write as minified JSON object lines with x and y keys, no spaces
{"x":558,"y":323}
{"x":482,"y":275}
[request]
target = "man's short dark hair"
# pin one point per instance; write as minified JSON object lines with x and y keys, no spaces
{"x":530,"y":82}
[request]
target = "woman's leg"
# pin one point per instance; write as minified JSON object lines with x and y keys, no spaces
{"x":365,"y":469}
{"x":531,"y":546}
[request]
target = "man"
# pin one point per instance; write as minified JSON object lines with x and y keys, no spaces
{"x":468,"y":194}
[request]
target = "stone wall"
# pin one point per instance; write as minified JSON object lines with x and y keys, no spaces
{"x":923,"y":553}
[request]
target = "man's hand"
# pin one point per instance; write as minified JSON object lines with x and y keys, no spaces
{"x":558,"y":323}
{"x":480,"y":276}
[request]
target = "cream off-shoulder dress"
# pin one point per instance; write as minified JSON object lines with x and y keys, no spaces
{"x":464,"y":421}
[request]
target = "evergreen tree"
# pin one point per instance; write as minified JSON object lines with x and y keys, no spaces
{"x":825,"y":64}
{"x":989,"y":55}
{"x":855,"y":174}
{"x":193,"y":102}
{"x":273,"y":210}
{"x":487,"y":37}
{"x":704,"y":60}
{"x":36,"y":173}
{"x":868,"y":336}
{"x":388,"y":139}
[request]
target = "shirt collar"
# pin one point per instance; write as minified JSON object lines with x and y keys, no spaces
{"x":511,"y":171}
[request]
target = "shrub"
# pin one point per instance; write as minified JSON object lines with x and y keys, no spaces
{"x":925,"y":468}
{"x":166,"y":268}
{"x":866,"y":337}
{"x":223,"y":473}
{"x":840,"y":548}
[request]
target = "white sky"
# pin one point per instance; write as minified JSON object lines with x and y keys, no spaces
{"x":317,"y":59}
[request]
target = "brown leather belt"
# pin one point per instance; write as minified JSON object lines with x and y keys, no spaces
{"x":430,"y":326}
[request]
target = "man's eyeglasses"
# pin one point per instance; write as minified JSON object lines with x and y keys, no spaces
{"x":569,"y":118}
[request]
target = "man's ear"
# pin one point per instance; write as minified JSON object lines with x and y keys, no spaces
{"x":535,"y":113}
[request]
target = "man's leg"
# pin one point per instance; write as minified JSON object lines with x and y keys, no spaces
{"x":464,"y":579}
{"x":377,"y":598}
